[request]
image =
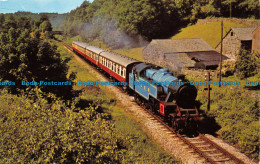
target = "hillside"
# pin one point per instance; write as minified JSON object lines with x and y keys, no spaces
{"x":56,"y":19}
{"x":209,"y":32}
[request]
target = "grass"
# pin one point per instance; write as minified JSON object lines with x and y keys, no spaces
{"x":135,"y":53}
{"x":210,"y":32}
{"x":140,"y":149}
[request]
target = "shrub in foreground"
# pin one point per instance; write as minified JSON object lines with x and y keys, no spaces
{"x":38,"y":132}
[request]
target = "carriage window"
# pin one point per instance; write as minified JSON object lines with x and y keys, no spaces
{"x":124,"y":73}
{"x":112,"y":66}
{"x":116,"y":68}
{"x":120,"y":69}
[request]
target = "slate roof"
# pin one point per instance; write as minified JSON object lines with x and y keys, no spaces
{"x":244,"y":33}
{"x":207,"y":58}
{"x":181,"y":45}
{"x":181,"y":59}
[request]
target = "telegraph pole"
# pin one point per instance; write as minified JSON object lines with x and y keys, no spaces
{"x":207,"y":77}
{"x":230,"y":14}
{"x":208,"y":106}
{"x":221,"y":48}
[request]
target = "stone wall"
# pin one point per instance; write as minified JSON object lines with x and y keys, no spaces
{"x":231,"y":45}
{"x":251,"y":23}
{"x":199,"y":73}
{"x":174,"y":62}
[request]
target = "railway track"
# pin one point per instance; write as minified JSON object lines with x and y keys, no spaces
{"x":204,"y":147}
{"x":67,"y":46}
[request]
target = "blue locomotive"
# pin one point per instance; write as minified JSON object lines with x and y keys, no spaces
{"x":161,"y":92}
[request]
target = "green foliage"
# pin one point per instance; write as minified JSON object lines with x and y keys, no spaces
{"x":38,"y":132}
{"x":36,"y":19}
{"x":246,"y":64}
{"x":2,"y":20}
{"x":45,"y":26}
{"x":240,"y":8}
{"x":150,"y":19}
{"x":23,"y":58}
{"x":10,"y":22}
{"x":228,"y":68}
{"x":237,"y":113}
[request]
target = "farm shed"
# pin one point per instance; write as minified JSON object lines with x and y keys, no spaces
{"x":177,"y":54}
{"x":235,"y":39}
{"x":256,"y":40}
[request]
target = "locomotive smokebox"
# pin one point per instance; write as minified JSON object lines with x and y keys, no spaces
{"x":184,"y":95}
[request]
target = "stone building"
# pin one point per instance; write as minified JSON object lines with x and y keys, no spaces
{"x":256,"y":40}
{"x":177,"y":54}
{"x":235,"y":39}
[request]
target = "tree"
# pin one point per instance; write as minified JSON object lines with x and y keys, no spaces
{"x":23,"y":22}
{"x":45,"y":26}
{"x":10,"y":22}
{"x":246,"y":65}
{"x":2,"y":20}
{"x":23,"y":58}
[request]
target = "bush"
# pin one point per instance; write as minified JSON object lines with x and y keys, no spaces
{"x":228,"y":68}
{"x":38,"y":132}
{"x":246,"y":64}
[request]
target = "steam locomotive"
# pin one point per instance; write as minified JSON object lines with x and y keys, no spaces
{"x":173,"y":98}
